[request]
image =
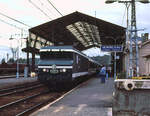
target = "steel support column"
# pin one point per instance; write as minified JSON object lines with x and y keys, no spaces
{"x":33,"y":62}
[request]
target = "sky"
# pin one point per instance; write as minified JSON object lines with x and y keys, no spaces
{"x":26,"y":12}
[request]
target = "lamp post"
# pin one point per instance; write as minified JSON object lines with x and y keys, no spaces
{"x":133,"y":35}
{"x":17,"y":72}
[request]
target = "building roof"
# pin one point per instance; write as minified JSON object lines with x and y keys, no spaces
{"x":77,"y":29}
{"x":146,"y":42}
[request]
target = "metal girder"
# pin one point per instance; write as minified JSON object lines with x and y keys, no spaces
{"x":89,"y":32}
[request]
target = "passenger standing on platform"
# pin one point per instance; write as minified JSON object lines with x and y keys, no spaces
{"x":102,"y":74}
{"x":106,"y":73}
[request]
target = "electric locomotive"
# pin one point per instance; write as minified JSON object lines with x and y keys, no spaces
{"x":60,"y":66}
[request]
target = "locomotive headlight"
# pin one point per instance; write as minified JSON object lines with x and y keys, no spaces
{"x":63,"y":70}
{"x":44,"y":70}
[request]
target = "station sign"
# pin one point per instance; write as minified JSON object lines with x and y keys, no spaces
{"x":109,"y":48}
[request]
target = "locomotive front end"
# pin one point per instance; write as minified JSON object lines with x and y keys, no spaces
{"x":55,"y":66}
{"x":54,"y":73}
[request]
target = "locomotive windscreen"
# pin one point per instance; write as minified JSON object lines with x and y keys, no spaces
{"x":56,"y":55}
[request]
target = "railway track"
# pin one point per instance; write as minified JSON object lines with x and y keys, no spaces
{"x":21,"y":100}
{"x":18,"y":87}
{"x":10,"y":76}
{"x":20,"y":90}
{"x":25,"y":101}
{"x":25,"y":105}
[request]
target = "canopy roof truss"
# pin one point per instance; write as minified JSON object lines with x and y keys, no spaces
{"x":76,"y":29}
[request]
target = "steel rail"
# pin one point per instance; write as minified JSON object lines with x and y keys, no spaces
{"x":27,"y":111}
{"x":27,"y":89}
{"x":22,"y":100}
{"x":9,"y":76}
{"x":19,"y":87}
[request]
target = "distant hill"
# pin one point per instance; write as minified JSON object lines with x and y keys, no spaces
{"x":105,"y":60}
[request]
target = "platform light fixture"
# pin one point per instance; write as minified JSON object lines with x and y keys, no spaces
{"x":18,"y":48}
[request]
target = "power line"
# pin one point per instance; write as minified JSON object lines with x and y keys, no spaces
{"x":12,"y":25}
{"x":55,"y":7}
{"x":46,"y":7}
{"x":14,"y":19}
{"x":39,"y":9}
{"x":123,"y":16}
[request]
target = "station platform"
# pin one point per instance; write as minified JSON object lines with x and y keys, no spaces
{"x":9,"y":82}
{"x":92,"y":98}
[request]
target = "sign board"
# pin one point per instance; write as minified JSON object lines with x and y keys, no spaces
{"x":112,"y":48}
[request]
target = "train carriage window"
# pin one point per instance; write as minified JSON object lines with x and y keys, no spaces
{"x":56,"y":55}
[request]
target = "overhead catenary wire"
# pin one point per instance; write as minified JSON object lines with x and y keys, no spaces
{"x":54,"y":7}
{"x":12,"y":25}
{"x":14,"y":19}
{"x":42,"y":4}
{"x":39,"y":9}
{"x":123,"y":16}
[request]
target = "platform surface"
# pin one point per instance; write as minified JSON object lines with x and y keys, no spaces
{"x":91,"y":99}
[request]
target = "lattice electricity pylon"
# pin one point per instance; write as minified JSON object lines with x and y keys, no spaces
{"x":133,"y":47}
{"x":134,"y":52}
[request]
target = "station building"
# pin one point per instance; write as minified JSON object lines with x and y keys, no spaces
{"x":144,"y":58}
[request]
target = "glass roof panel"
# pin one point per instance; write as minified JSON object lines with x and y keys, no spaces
{"x":33,"y":36}
{"x":32,"y":43}
{"x":38,"y":45}
{"x":86,"y":33}
{"x":48,"y":43}
{"x":74,"y":31}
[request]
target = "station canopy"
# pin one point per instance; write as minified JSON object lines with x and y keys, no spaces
{"x":76,"y":29}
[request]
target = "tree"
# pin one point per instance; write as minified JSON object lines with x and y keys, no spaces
{"x":11,"y":60}
{"x":104,"y":60}
{"x":3,"y":61}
